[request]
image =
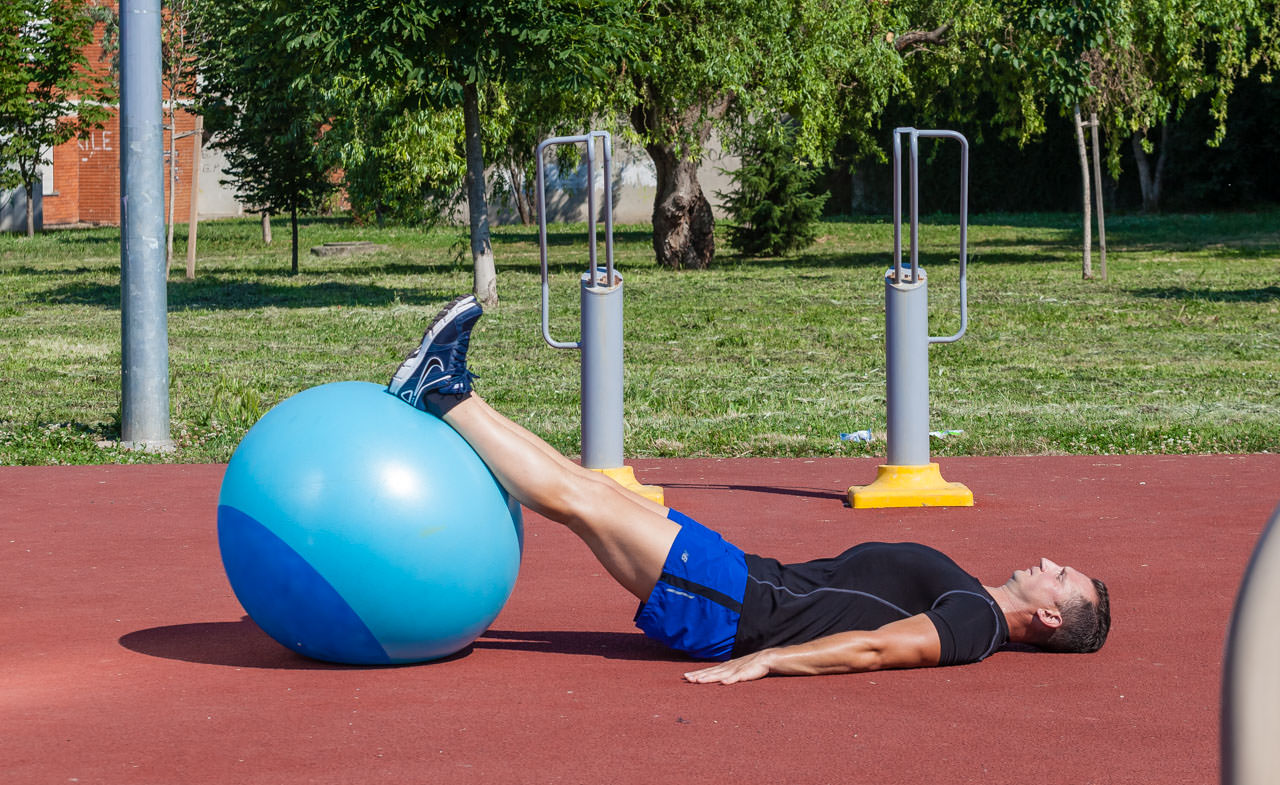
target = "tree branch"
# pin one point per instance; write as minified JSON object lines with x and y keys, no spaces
{"x":918,"y":38}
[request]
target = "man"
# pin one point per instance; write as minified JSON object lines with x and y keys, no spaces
{"x":877,"y":605}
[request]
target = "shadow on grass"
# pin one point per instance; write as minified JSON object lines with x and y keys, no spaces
{"x":569,"y":235}
{"x":227,"y":294}
{"x":1265,"y":294}
{"x":882,"y":260}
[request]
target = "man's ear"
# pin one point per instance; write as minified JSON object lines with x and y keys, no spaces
{"x":1049,"y":617}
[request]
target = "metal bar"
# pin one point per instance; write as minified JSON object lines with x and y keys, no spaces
{"x":541,"y":196}
{"x":914,"y":197}
{"x":964,"y":232}
{"x":602,"y":377}
{"x":607,"y":144}
{"x":144,"y":356}
{"x":897,"y":202}
{"x":592,"y":230}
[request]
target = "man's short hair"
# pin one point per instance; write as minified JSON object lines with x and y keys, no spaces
{"x":1084,"y":625}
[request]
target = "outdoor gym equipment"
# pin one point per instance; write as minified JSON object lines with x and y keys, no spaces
{"x":600,"y":339}
{"x":908,"y":478}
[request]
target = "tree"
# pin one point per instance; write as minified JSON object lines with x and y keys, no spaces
{"x":178,"y":49}
{"x":1186,"y":50}
{"x":49,"y":92}
{"x":772,"y":209}
{"x":1132,"y":63}
{"x":266,"y":112}
{"x":712,"y":65}
{"x":398,"y":163}
{"x":446,"y":54}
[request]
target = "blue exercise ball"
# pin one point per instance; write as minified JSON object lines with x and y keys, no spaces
{"x":356,"y":529}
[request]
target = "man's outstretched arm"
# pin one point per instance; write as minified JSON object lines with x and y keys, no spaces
{"x":908,"y":643}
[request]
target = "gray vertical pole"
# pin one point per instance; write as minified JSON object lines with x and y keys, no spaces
{"x":601,"y":319}
{"x":143,"y":308}
{"x":601,"y":372}
{"x":906,"y":332}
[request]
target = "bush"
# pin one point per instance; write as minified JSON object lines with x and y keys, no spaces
{"x":772,"y":209}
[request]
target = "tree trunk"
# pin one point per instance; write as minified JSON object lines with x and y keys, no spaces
{"x":294,"y":220}
{"x":519,"y":193}
{"x":1097,"y":190}
{"x":683,"y":226}
{"x":485,"y":275}
{"x":1087,"y":265}
{"x":31,"y":208}
{"x":266,"y":228}
{"x":172,"y":185}
{"x":193,"y":214}
{"x":1150,"y":181}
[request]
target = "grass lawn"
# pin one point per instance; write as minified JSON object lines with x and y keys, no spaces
{"x":1179,"y":351}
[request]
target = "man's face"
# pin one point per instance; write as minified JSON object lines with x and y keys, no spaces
{"x":1049,"y":585}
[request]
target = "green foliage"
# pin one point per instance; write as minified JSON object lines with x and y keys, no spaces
{"x":267,"y":113}
{"x":400,"y":164}
{"x":49,"y":92}
{"x":829,"y":65}
{"x":772,"y":209}
{"x":1137,"y":63}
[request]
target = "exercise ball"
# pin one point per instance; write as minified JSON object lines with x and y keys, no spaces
{"x":356,"y":529}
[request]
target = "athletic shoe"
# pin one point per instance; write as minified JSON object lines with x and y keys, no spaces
{"x":439,"y":364}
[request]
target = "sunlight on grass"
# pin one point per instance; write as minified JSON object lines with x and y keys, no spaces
{"x":1179,"y":351}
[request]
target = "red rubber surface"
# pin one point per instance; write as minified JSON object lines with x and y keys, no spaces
{"x":124,"y":657}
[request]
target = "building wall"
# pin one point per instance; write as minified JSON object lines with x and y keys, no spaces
{"x":86,"y":176}
{"x":13,"y":210}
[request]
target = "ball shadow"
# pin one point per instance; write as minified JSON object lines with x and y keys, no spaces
{"x":238,"y":644}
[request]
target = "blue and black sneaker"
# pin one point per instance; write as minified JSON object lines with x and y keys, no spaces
{"x":439,"y":364}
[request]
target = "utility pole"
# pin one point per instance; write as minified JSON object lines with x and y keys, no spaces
{"x":144,"y":363}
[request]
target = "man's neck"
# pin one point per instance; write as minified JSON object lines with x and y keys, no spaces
{"x":1017,"y":615}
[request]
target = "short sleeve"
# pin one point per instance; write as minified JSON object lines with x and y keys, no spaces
{"x":970,"y":627}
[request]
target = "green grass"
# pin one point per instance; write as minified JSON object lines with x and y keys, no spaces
{"x":1179,"y":351}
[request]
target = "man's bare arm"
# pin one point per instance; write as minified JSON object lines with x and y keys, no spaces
{"x":908,"y":643}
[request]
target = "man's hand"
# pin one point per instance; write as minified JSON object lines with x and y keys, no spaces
{"x":748,"y":668}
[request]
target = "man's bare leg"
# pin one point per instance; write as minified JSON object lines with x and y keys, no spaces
{"x":520,"y":431}
{"x":629,"y":534}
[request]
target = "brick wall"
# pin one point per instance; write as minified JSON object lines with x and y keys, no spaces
{"x":86,"y":177}
{"x":86,"y":170}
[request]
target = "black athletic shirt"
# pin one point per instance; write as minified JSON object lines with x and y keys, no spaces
{"x":865,"y":588}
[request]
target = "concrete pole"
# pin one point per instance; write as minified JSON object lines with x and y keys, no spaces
{"x":143,"y":303}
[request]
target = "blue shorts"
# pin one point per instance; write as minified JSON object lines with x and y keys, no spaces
{"x":696,"y":604}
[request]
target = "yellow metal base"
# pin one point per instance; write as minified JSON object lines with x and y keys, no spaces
{"x":910,"y":486}
{"x":626,"y":477}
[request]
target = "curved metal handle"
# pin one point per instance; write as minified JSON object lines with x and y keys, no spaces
{"x":914,"y":135}
{"x":592,"y":268}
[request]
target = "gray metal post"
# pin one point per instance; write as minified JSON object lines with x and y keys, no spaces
{"x":906,"y":349}
{"x":601,"y":320}
{"x":144,"y":325}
